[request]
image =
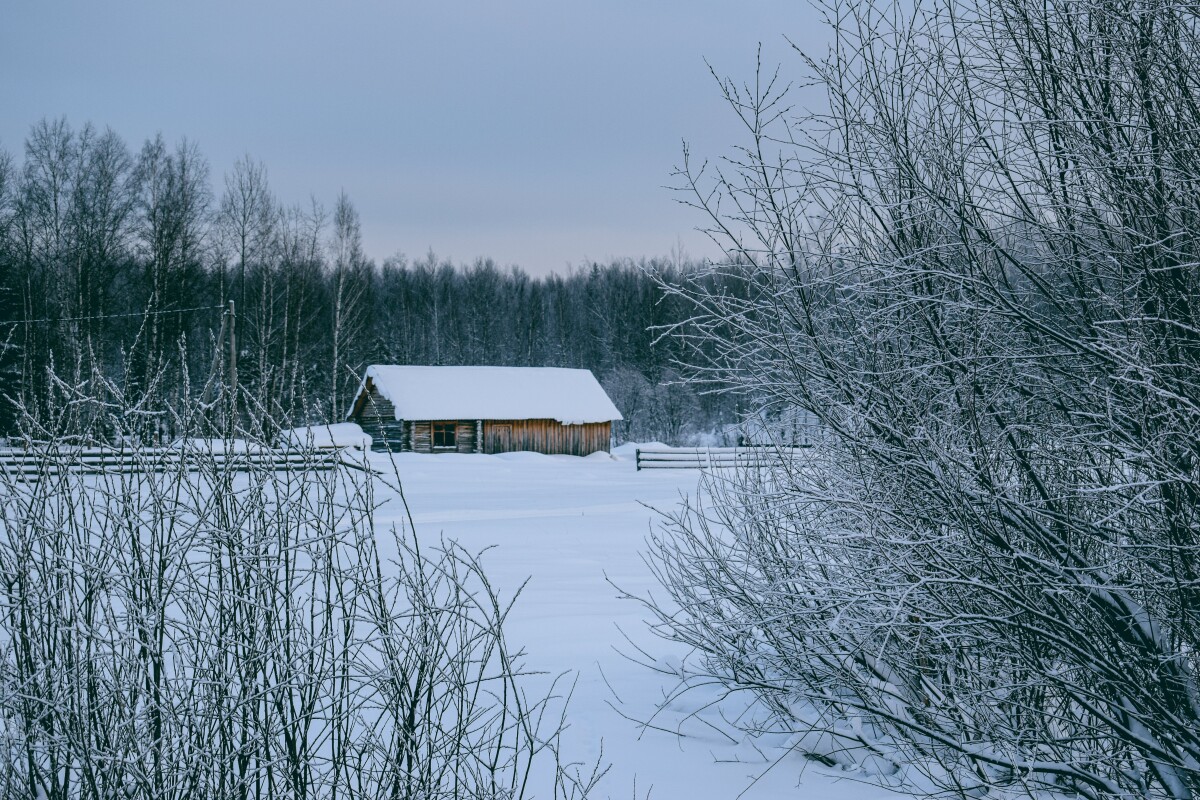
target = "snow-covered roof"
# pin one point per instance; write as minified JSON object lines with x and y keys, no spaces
{"x":571,"y":396}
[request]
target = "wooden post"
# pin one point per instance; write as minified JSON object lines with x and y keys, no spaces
{"x":233,"y":375}
{"x":212,"y":373}
{"x":478,"y":436}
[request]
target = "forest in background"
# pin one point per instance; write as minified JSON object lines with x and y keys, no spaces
{"x":121,"y":263}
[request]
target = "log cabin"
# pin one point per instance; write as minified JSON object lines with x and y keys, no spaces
{"x":484,"y":410}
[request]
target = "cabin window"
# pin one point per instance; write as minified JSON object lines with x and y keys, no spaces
{"x":444,"y":434}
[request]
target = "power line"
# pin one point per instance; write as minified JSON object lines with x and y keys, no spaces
{"x":111,"y":316}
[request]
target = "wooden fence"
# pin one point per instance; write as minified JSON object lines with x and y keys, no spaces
{"x":710,"y":457}
{"x":26,"y":463}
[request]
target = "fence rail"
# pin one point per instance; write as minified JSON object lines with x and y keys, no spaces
{"x":22,"y":463}
{"x":710,"y":457}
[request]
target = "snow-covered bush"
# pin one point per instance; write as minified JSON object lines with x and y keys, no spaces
{"x":977,"y":266}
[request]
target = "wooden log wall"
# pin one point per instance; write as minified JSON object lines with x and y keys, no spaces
{"x":376,"y":415}
{"x":465,"y":438}
{"x":387,"y":435}
{"x":422,"y":436}
{"x":546,"y":436}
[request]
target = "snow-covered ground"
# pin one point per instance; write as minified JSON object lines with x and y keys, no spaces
{"x":570,"y":525}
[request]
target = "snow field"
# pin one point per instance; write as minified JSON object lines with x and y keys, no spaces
{"x":575,"y":527}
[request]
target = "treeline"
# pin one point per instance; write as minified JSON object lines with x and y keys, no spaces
{"x":120,"y":264}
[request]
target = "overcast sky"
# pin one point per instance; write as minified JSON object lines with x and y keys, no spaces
{"x":537,"y":132}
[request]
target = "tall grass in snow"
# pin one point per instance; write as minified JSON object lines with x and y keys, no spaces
{"x":205,"y":625}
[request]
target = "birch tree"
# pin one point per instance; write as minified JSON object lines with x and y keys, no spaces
{"x":247,"y":219}
{"x":173,"y":216}
{"x":349,"y":279}
{"x":100,"y":225}
{"x":295,"y":374}
{"x":10,"y":300}
{"x":40,"y":228}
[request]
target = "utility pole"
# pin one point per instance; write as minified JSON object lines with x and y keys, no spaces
{"x":233,"y":376}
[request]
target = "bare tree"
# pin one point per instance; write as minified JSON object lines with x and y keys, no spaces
{"x":172,"y":231}
{"x":40,"y":227}
{"x":350,"y":277}
{"x":302,"y":298}
{"x":247,"y":218}
{"x":631,"y":393}
{"x":100,"y":221}
{"x":975,"y":263}
{"x":249,"y":223}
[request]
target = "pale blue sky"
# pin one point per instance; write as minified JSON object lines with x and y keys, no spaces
{"x":536,"y":132}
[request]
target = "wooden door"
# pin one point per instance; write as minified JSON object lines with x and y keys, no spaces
{"x":501,"y":438}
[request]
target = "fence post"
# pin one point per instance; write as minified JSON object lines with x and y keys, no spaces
{"x":637,"y":459}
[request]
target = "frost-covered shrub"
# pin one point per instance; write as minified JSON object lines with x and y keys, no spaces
{"x":199,"y":621}
{"x":977,"y":266}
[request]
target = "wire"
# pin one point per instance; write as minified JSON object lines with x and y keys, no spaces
{"x":109,"y":316}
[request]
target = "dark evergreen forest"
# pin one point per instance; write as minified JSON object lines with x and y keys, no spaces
{"x":119,"y":265}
